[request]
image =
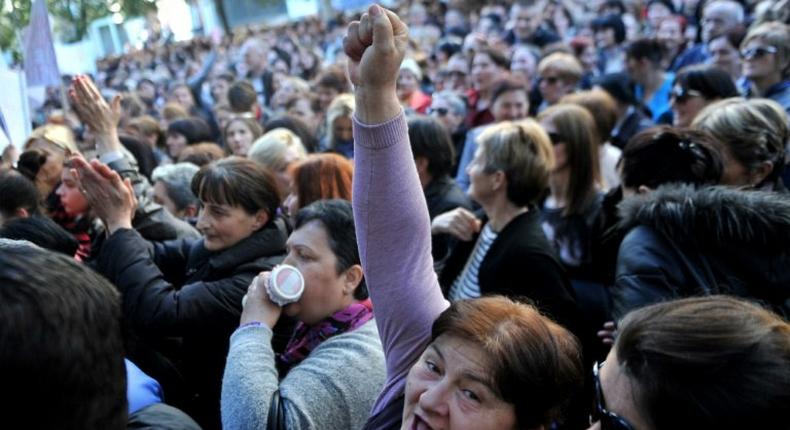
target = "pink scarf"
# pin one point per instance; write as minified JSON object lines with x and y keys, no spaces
{"x":306,"y":338}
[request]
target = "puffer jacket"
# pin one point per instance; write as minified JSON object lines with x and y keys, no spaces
{"x":688,"y":242}
{"x":179,"y":289}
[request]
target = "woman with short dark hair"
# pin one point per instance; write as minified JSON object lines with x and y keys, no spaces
{"x":330,"y":372}
{"x":191,"y":288}
{"x":184,"y":132}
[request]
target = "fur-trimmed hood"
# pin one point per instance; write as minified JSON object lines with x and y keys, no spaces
{"x":714,"y":217}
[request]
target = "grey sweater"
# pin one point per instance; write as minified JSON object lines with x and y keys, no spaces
{"x":333,"y":388}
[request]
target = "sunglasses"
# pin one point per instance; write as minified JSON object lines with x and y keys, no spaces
{"x":757,"y":52}
{"x":681,"y":94}
{"x":551,"y":80}
{"x":609,"y":420}
{"x":556,"y":138}
{"x":438,"y":111}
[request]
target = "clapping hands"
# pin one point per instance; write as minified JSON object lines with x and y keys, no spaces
{"x":111,"y":198}
{"x":91,"y":107}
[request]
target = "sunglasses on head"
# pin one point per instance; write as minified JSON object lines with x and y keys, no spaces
{"x":609,"y":420}
{"x":757,"y":52}
{"x":681,"y":94}
{"x":438,"y":111}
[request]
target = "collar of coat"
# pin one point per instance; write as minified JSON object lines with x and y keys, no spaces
{"x":268,"y":241}
{"x":714,"y":216}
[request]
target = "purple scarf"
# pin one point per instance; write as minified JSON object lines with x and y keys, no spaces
{"x":306,"y":338}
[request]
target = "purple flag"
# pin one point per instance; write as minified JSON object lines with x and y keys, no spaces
{"x":41,"y":66}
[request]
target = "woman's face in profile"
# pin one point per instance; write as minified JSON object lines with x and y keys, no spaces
{"x":451,"y":388}
{"x":72,"y":199}
{"x":325,"y":290}
{"x":616,"y":395}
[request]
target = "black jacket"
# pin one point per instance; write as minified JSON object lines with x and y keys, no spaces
{"x":633,"y":123}
{"x":443,"y":195}
{"x":203,"y":311}
{"x":520,"y":263}
{"x":685,"y":242}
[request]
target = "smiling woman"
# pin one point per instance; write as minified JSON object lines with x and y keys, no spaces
{"x":191,"y":288}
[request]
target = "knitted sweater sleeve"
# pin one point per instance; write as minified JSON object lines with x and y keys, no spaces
{"x":333,"y":388}
{"x":393,"y":233}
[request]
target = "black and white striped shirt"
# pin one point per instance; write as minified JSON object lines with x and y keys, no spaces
{"x":466,"y":285}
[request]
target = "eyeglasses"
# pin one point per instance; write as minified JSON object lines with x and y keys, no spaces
{"x":681,"y":94}
{"x":609,"y":420}
{"x":438,"y":111}
{"x":757,"y":52}
{"x":456,"y":74}
{"x":556,"y":138}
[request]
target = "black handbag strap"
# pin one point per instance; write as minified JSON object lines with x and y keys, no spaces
{"x":276,"y":420}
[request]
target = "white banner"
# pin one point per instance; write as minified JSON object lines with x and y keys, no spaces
{"x":14,"y":107}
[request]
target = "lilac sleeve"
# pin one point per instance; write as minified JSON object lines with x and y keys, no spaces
{"x":394,"y":237}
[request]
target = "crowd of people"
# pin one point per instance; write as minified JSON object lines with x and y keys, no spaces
{"x":540,"y":214}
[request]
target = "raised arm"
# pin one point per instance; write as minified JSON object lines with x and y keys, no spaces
{"x":392,"y":222}
{"x":150,"y":219}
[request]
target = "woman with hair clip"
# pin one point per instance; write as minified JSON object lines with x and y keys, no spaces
{"x":486,"y":363}
{"x":681,"y":240}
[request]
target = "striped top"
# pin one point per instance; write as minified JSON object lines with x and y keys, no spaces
{"x":466,"y":285}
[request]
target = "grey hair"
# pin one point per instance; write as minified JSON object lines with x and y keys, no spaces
{"x":455,"y":101}
{"x":177,"y":179}
{"x":734,"y":8}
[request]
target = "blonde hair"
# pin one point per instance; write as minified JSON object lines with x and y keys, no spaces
{"x":523,"y":152}
{"x":271,"y":149}
{"x":301,"y":86}
{"x":565,"y":65}
{"x":342,"y":106}
{"x":776,"y":34}
{"x":56,"y":136}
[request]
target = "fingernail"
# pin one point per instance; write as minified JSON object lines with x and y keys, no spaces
{"x":375,"y":10}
